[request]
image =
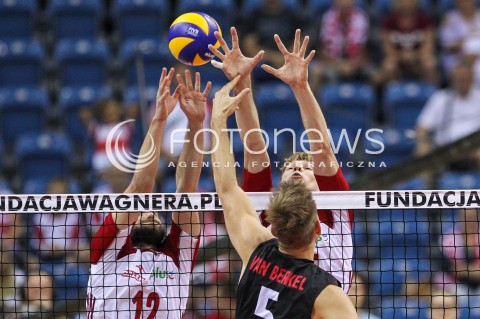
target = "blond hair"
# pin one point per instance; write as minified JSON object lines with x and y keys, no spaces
{"x":299,"y":156}
{"x":292,"y":213}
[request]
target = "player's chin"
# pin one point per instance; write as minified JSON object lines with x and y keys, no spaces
{"x":297,"y":179}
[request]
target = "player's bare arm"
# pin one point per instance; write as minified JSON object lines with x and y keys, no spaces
{"x":193,"y":103}
{"x":333,"y":303}
{"x":243,"y":226}
{"x":143,"y":180}
{"x":294,"y":72}
{"x":235,"y":63}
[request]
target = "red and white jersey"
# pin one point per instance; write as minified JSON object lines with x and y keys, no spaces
{"x":131,"y":283}
{"x":334,"y":248}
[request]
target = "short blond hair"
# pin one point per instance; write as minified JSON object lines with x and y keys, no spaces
{"x":292,"y":213}
{"x":299,"y":156}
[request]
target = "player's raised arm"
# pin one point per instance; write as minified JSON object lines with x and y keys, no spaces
{"x":144,"y":179}
{"x":243,"y":226}
{"x":235,"y":63}
{"x":193,"y":103}
{"x":294,"y":72}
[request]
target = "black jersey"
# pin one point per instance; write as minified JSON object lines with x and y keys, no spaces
{"x":275,"y":285}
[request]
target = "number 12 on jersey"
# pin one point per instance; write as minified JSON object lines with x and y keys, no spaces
{"x":153,"y":302}
{"x":265,"y":295}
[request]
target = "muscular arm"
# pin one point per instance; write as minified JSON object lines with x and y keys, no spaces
{"x":333,"y":303}
{"x":144,"y":179}
{"x":235,"y":63}
{"x":243,"y":226}
{"x":187,"y":177}
{"x":295,"y":73}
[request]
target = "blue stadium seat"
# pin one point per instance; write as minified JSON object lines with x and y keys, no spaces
{"x":16,"y":17}
{"x":39,"y":186}
{"x":221,"y":10}
{"x":153,"y":54}
{"x":75,"y":19}
{"x":459,"y":180}
{"x":390,"y":146}
{"x":403,"y":228}
{"x":403,"y":102}
{"x":347,"y":105}
{"x":278,"y":107}
{"x":385,"y":279}
{"x":401,"y":307}
{"x":411,"y":184}
{"x":70,"y":101}
{"x":132,"y":95}
{"x":382,"y":7}
{"x":248,"y":6}
{"x":139,"y":19}
{"x":22,"y":110}
{"x":20,"y":63}
{"x":4,"y":187}
{"x":82,"y":62}
{"x":43,"y":156}
{"x":316,"y":8}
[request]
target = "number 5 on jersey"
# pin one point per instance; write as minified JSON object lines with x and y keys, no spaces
{"x":263,"y":297}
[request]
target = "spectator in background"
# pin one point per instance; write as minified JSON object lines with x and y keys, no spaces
{"x":343,"y":38}
{"x":460,"y":34}
{"x":451,"y":114}
{"x":461,"y":251}
{"x":100,"y":122}
{"x":259,"y":28}
{"x":443,"y":304}
{"x":408,"y":42}
{"x":38,"y":296}
{"x":61,"y":243}
{"x":358,"y":294}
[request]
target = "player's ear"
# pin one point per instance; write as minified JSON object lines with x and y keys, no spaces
{"x":318,"y":229}
{"x":274,"y":232}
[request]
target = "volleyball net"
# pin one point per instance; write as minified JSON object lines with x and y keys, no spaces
{"x":416,"y":254}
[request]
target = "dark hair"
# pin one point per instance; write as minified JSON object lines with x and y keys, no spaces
{"x":150,"y":235}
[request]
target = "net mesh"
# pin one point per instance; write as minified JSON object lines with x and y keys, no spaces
{"x":408,"y":263}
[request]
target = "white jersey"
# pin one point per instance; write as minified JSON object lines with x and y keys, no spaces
{"x":132,"y":283}
{"x":334,"y":247}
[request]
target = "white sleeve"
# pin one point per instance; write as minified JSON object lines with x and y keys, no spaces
{"x":430,"y":118}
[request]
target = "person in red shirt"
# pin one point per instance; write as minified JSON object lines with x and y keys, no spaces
{"x":408,"y":42}
{"x":319,"y":169}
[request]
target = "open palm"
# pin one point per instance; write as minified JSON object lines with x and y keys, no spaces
{"x":193,"y":102}
{"x":294,"y":71}
{"x":166,"y":102}
{"x":233,"y":61}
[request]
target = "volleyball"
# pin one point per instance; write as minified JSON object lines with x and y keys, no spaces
{"x":189,"y":37}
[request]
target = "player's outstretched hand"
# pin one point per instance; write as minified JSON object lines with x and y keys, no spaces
{"x":166,"y":102}
{"x":233,"y":61}
{"x":223,"y":104}
{"x":193,"y":102}
{"x":294,"y":71}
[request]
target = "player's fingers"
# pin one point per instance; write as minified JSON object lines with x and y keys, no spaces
{"x":234,"y":33}
{"x":303,"y":49}
{"x":217,"y":53}
{"x":207,"y":90}
{"x":218,"y":65}
{"x":223,"y":44}
{"x":188,"y":80}
{"x":197,"y":81}
{"x":310,"y":56}
{"x":180,"y":79}
{"x":267,"y":68}
{"x":258,"y":57}
{"x":296,"y":42}
{"x":280,"y":45}
{"x":240,"y":96}
{"x":162,"y":76}
{"x":177,"y":91}
{"x":230,"y":85}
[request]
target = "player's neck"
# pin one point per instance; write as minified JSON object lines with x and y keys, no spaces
{"x":301,"y":253}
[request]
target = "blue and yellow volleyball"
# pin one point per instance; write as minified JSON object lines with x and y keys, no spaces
{"x":189,"y":37}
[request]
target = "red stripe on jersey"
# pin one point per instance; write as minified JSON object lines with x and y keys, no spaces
{"x":172,"y":242}
{"x":258,"y":182}
{"x":103,"y":239}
